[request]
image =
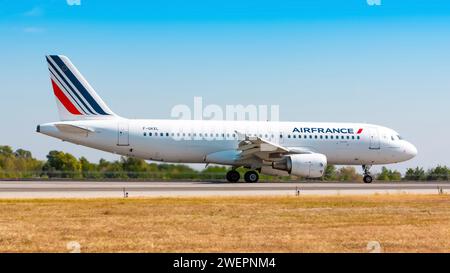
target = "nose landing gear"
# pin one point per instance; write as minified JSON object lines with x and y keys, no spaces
{"x":367,"y":176}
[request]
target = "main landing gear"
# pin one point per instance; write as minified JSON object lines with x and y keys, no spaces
{"x":233,"y":176}
{"x":367,"y":177}
{"x":250,"y":176}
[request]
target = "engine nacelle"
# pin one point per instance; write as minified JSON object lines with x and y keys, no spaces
{"x":305,"y":165}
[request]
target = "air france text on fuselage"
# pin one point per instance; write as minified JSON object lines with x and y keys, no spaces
{"x":313,"y":130}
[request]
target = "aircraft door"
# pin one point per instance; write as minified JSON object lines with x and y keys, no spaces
{"x":374,"y":138}
{"x":123,"y":134}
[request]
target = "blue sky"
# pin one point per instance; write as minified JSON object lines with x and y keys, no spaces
{"x":319,"y":60}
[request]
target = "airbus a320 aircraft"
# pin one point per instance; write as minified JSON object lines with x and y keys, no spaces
{"x":276,"y":148}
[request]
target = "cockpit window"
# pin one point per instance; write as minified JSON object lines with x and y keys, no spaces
{"x":392,"y":137}
{"x":399,"y":137}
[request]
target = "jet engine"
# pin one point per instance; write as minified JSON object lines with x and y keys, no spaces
{"x":304,"y":165}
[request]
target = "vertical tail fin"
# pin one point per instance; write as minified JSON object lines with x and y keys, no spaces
{"x":75,"y":97}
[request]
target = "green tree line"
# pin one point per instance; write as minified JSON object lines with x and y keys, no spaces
{"x":21,"y":164}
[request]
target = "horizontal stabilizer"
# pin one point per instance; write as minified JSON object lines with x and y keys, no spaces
{"x":73,"y":129}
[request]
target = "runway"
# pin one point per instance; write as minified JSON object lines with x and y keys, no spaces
{"x":87,"y":189}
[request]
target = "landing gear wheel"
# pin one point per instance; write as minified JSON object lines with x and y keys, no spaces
{"x":251,"y":177}
{"x":233,"y":176}
{"x":368,"y":179}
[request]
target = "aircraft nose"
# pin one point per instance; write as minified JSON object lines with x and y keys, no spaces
{"x":410,"y":150}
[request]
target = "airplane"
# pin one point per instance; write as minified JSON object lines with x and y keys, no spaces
{"x":301,"y":149}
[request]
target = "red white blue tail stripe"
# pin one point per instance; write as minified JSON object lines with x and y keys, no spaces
{"x":73,"y":91}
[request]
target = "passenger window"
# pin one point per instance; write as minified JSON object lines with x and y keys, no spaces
{"x":353,"y":137}
{"x":331,"y":137}
{"x":357,"y":137}
{"x":289,"y":136}
{"x":145,"y":134}
{"x":348,"y":137}
{"x":161,"y":134}
{"x":321,"y":137}
{"x":315,"y":136}
{"x":149,"y":134}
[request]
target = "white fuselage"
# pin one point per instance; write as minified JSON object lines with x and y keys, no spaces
{"x":199,"y":141}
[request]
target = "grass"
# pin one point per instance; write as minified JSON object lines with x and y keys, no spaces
{"x":400,"y":223}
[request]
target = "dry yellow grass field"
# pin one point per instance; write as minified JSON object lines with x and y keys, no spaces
{"x":401,"y":223}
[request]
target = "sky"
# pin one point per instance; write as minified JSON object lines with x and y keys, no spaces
{"x":385,"y":62}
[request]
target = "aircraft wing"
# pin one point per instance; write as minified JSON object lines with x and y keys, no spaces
{"x":251,"y":147}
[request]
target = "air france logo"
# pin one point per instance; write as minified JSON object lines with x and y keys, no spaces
{"x":312,"y":130}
